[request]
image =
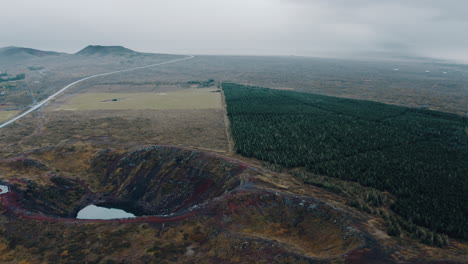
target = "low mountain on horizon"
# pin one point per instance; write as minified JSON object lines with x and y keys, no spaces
{"x":25,"y":52}
{"x":96,"y":50}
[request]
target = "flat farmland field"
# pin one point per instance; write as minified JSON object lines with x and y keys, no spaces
{"x":5,"y":115}
{"x":190,"y":99}
{"x":199,"y":128}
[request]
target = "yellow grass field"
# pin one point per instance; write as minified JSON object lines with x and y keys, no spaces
{"x":191,"y":99}
{"x":5,"y":115}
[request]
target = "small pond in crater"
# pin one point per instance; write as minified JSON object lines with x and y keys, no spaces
{"x":97,"y":212}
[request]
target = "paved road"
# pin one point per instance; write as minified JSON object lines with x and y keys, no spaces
{"x":45,"y":101}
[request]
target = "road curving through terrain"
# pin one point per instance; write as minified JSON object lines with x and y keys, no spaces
{"x":45,"y":101}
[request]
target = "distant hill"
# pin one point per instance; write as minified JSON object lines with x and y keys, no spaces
{"x":105,"y":51}
{"x":25,"y":52}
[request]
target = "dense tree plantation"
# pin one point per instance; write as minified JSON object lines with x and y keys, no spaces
{"x":420,"y":156}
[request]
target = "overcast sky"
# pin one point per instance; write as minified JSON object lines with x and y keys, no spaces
{"x":435,"y":28}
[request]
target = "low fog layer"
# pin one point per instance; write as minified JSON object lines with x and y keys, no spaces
{"x":252,"y":27}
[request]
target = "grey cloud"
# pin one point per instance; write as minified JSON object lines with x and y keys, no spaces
{"x":253,"y":27}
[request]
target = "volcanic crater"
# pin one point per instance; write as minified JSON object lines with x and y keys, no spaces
{"x":166,"y":184}
{"x":156,"y":180}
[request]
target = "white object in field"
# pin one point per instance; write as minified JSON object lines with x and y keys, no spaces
{"x":4,"y":189}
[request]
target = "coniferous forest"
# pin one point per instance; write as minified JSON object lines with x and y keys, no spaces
{"x":420,"y":156}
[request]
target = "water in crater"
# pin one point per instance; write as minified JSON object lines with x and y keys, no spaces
{"x":97,"y":212}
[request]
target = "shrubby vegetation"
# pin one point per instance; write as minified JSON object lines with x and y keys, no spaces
{"x":35,"y":68}
{"x":419,"y":156}
{"x":16,"y":78}
{"x":375,"y":202}
{"x":207,"y":83}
